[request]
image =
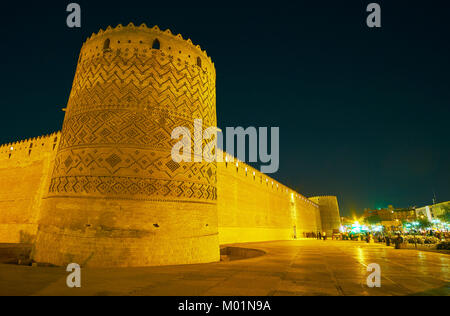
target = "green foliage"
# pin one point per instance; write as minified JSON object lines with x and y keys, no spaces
{"x":424,"y":223}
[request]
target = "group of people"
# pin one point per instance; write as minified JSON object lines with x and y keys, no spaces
{"x":381,"y":237}
{"x":377,"y":236}
{"x":437,"y":234}
{"x":318,"y":235}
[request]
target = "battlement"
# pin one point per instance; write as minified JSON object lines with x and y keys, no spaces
{"x":30,"y":148}
{"x":262,"y":179}
{"x":323,"y":197}
{"x":135,"y":39}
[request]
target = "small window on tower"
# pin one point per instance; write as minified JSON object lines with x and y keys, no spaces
{"x":199,"y":62}
{"x":156,"y":44}
{"x":106,"y":45}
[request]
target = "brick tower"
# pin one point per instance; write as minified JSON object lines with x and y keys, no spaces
{"x":329,"y":213}
{"x":116,"y":197}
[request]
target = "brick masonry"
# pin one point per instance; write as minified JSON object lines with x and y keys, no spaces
{"x":105,"y":191}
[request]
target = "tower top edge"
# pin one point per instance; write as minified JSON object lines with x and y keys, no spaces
{"x":145,"y":29}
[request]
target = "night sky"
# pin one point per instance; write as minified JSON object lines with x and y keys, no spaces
{"x":363,"y":113}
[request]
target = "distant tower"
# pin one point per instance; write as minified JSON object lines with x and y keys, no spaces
{"x":116,"y":197}
{"x":329,"y":213}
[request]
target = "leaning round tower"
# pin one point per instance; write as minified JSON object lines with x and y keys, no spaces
{"x":116,"y":197}
{"x":329,"y":213}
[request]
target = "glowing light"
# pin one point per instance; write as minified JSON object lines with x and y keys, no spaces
{"x":356,"y":228}
{"x":12,"y":148}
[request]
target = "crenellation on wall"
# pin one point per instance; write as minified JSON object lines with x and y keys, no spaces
{"x":247,"y":170}
{"x":31,"y":149}
{"x":133,"y":39}
{"x":24,"y":174}
{"x":255,"y":207}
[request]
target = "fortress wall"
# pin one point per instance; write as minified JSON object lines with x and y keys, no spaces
{"x":253,"y":207}
{"x":106,"y":192}
{"x":24,"y":174}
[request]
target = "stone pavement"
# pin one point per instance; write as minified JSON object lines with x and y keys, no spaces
{"x":305,"y":267}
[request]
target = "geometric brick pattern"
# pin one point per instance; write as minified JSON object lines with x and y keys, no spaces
{"x":152,"y":82}
{"x":136,"y":174}
{"x":126,"y":100}
{"x":134,"y":188}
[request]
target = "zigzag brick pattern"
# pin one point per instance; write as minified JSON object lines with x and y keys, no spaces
{"x":116,"y":197}
{"x":116,"y":138}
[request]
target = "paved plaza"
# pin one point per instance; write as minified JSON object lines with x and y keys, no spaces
{"x":305,"y":267}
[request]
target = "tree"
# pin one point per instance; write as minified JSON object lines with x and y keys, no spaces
{"x":424,"y":223}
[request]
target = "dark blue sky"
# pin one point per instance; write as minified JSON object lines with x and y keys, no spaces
{"x":363,"y":112}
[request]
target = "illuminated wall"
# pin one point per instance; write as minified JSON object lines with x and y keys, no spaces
{"x":254,"y":207}
{"x":106,"y":191}
{"x":24,"y":171}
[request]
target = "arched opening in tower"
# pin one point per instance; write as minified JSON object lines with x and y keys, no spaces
{"x":106,"y":45}
{"x":156,"y":44}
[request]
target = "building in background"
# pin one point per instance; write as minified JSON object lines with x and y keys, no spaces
{"x":424,"y":212}
{"x":391,"y":218}
{"x":438,"y":211}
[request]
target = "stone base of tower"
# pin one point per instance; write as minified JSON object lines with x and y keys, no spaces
{"x":120,"y":233}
